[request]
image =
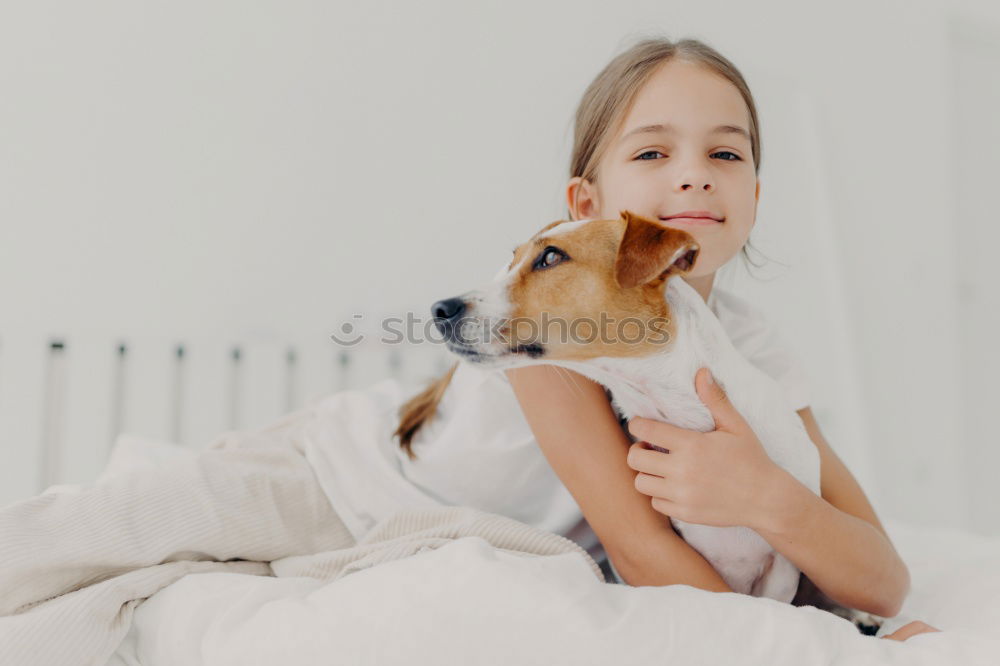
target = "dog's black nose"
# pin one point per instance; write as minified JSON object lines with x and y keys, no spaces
{"x":448,"y":309}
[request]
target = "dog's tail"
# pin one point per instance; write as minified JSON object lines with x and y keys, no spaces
{"x":420,"y":409}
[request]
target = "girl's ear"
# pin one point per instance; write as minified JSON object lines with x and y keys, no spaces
{"x":651,"y":252}
{"x":581,"y":198}
{"x":756,"y":200}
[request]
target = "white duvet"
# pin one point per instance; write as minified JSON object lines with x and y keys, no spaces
{"x":468,"y":603}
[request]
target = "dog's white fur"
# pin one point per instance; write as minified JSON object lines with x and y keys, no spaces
{"x":661,"y":386}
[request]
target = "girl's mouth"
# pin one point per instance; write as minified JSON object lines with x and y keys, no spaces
{"x":692,"y":220}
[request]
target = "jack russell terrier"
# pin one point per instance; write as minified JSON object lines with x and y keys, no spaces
{"x":627,"y":270}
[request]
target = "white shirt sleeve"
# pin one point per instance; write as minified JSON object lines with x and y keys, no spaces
{"x":762,"y":344}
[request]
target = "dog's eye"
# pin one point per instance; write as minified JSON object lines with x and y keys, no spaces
{"x":549,"y":257}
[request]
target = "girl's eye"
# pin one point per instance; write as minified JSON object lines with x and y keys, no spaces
{"x":733,"y":156}
{"x":549,"y":257}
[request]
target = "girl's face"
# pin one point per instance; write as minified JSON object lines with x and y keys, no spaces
{"x":670,"y":156}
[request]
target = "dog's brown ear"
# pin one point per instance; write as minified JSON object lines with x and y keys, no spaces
{"x":650,"y":251}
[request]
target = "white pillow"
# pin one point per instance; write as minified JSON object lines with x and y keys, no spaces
{"x":134,"y":452}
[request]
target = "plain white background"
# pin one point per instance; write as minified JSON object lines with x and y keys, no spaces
{"x":224,"y":173}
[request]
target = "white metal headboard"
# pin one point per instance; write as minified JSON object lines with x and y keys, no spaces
{"x":65,"y":400}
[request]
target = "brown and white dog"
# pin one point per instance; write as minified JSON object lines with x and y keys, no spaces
{"x":604,"y":298}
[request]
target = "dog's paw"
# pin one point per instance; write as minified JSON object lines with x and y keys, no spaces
{"x":867,"y":623}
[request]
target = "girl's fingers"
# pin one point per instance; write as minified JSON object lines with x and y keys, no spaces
{"x":909,"y":630}
{"x":665,"y":506}
{"x":646,"y":460}
{"x":648,"y":484}
{"x":660,"y":433}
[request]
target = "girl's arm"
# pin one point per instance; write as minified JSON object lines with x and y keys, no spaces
{"x":582,"y":440}
{"x":836,"y":540}
{"x":725,"y":477}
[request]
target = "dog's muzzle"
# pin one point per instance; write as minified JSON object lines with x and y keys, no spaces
{"x":463,"y":334}
{"x":447,"y":315}
{"x":450,"y":319}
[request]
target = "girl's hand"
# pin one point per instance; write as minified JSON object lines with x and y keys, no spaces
{"x":910,"y":630}
{"x":711,"y":478}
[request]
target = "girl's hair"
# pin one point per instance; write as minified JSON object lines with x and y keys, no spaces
{"x":610,"y":95}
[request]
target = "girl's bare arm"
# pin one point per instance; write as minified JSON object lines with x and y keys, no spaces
{"x":836,"y":539}
{"x":837,"y":485}
{"x":582,"y":440}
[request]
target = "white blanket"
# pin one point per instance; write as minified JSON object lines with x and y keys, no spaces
{"x":467,"y":602}
{"x":459,"y":593}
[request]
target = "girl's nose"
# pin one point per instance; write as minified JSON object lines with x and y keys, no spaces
{"x":705,"y":186}
{"x":692,"y":174}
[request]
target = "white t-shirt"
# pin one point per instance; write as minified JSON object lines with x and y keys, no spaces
{"x":367,"y":475}
{"x":761,"y":344}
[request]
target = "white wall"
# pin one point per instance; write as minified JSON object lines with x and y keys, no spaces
{"x":255,"y":172}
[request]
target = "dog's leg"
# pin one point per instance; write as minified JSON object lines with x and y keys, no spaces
{"x":810,"y":595}
{"x":779,"y":579}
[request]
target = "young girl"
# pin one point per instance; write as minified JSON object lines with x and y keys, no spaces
{"x":667,"y":129}
{"x":320,"y":477}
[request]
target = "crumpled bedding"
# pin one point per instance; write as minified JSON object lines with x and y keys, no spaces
{"x":467,"y":602}
{"x":441,"y":586}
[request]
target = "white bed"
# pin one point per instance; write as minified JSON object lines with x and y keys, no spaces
{"x":465,"y":601}
{"x":468,"y":602}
